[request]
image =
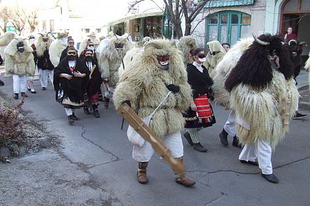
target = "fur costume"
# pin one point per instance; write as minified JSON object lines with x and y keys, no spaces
{"x":16,"y":62}
{"x":5,"y":39}
{"x":214,"y":56}
{"x":55,"y":51}
{"x":222,"y":70}
{"x":185,"y":45}
{"x":144,"y":85}
{"x":110,"y":59}
{"x":41,"y":46}
{"x":264,"y":98}
{"x":133,"y":54}
{"x":84,"y":44}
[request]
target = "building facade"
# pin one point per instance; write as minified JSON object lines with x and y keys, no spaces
{"x":230,"y":20}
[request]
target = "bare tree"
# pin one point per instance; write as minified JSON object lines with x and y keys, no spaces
{"x":31,"y":18}
{"x":17,"y":19}
{"x":4,"y":18}
{"x":177,"y":9}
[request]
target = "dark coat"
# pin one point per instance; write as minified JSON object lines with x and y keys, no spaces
{"x":201,"y":84}
{"x":44,"y":61}
{"x":74,"y":88}
{"x":94,"y":82}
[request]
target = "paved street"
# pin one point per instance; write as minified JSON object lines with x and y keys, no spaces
{"x":97,"y":151}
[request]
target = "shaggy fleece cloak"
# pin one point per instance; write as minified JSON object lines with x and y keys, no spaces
{"x":185,"y":45}
{"x":41,"y":46}
{"x":16,"y":62}
{"x":224,"y":67}
{"x":55,"y":51}
{"x":5,"y":39}
{"x":214,"y":56}
{"x":144,"y":85}
{"x":264,"y":98}
{"x":110,"y":59}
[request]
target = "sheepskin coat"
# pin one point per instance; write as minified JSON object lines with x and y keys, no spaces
{"x":144,"y":84}
{"x":5,"y":39}
{"x":19,"y":63}
{"x":267,"y":111}
{"x":55,"y":51}
{"x":185,"y":45}
{"x":110,"y":59}
{"x":224,"y":67}
{"x":214,"y":56}
{"x":264,"y":98}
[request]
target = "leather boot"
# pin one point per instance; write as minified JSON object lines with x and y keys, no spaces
{"x":236,"y":142}
{"x":15,"y":95}
{"x":223,"y":138}
{"x":86,"y":111}
{"x":199,"y":147}
{"x":23,"y":94}
{"x":106,"y":102}
{"x":182,"y":179}
{"x":141,"y":174}
{"x":95,"y":108}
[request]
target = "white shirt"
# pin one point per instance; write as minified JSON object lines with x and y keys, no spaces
{"x":198,"y":66}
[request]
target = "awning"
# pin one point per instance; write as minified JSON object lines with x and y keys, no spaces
{"x":227,"y":3}
{"x":136,"y":16}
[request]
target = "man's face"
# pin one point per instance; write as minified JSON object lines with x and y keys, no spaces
{"x":289,"y":30}
{"x":70,"y":43}
{"x":226,"y":47}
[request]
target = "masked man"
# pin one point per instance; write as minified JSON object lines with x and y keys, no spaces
{"x":264,"y":97}
{"x":186,"y":45}
{"x":19,"y":62}
{"x":57,"y":47}
{"x":110,"y":59}
{"x":93,"y":92}
{"x":143,"y":85}
{"x":70,"y":43}
{"x":214,"y":56}
{"x":71,"y":77}
{"x":46,"y":68}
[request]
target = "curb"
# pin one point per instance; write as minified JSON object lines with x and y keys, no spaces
{"x":304,"y":105}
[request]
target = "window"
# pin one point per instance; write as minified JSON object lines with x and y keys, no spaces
{"x":87,"y":31}
{"x":228,"y":26}
{"x":98,"y":30}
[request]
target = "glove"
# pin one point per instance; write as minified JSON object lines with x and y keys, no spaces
{"x":173,"y":88}
{"x":127,"y":102}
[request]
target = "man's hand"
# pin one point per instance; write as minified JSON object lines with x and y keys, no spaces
{"x":106,"y":80}
{"x":193,"y":106}
{"x":173,"y":88}
{"x":67,"y":76}
{"x":78,"y":74}
{"x":127,"y":102}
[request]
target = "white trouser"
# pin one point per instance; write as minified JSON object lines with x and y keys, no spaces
{"x":229,"y":126}
{"x":69,"y":111}
{"x":109,"y":94}
{"x":260,"y":150}
{"x":173,"y":142}
{"x":43,"y":77}
{"x":19,"y":83}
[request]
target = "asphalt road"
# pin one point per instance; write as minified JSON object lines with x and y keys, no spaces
{"x":99,"y":148}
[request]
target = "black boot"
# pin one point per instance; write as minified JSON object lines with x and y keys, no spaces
{"x":199,"y":147}
{"x":106,"y":102}
{"x":236,"y":142}
{"x":70,"y":120}
{"x":16,"y":96}
{"x":223,"y":138}
{"x":96,"y":113}
{"x":188,"y":138}
{"x":86,"y":111}
{"x":1,"y":83}
{"x":23,"y":94}
{"x":74,"y":117}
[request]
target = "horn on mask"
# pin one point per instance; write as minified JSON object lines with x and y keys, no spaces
{"x":260,"y":41}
